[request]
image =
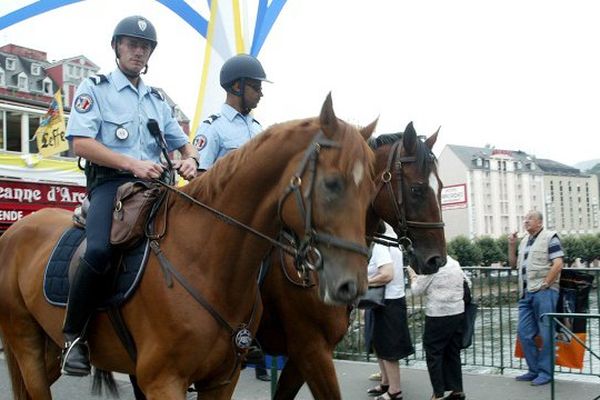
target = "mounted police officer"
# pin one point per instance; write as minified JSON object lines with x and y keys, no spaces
{"x":108,"y":127}
{"x":241,"y":77}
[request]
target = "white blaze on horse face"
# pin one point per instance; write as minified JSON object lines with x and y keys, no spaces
{"x":358,"y":172}
{"x":434,"y":184}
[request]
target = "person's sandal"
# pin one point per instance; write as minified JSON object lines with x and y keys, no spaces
{"x":378,"y":390}
{"x":390,"y":396}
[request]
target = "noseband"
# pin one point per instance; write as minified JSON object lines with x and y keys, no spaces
{"x":308,"y":255}
{"x":393,"y":170}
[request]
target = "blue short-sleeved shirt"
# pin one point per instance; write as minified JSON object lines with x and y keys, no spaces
{"x":116,"y":113}
{"x":219,"y":135}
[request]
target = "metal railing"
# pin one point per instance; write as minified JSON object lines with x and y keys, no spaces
{"x":496,"y":292}
{"x":555,"y":320}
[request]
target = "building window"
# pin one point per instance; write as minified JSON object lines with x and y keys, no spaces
{"x":48,"y":86}
{"x":11,"y":64}
{"x":2,"y":77}
{"x":35,"y":69}
{"x":23,"y":82}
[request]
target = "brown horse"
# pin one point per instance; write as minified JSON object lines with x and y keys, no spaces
{"x":313,"y":176}
{"x":297,"y":323}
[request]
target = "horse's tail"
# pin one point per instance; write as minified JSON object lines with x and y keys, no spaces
{"x":16,"y":377}
{"x":104,"y":378}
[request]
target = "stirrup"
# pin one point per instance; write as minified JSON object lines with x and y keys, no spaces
{"x":82,"y":370}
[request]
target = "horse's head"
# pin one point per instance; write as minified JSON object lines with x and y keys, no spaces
{"x":326,"y":202}
{"x":408,"y":196}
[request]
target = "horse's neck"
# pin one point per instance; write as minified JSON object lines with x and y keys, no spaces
{"x":250,"y":196}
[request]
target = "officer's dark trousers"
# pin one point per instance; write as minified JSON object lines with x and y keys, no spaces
{"x":84,"y":291}
{"x":442,"y":339}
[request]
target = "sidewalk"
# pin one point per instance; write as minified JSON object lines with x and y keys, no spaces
{"x":353,"y":377}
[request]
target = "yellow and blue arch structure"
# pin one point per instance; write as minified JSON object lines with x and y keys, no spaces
{"x":266,"y":15}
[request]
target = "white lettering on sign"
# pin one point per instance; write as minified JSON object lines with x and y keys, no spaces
{"x":454,"y":194}
{"x":64,"y":195}
{"x":20,"y":194}
{"x":10,"y":215}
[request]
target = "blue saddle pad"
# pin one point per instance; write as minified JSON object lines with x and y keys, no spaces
{"x":56,"y":276}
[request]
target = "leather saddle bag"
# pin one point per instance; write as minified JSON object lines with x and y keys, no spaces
{"x":133,"y":205}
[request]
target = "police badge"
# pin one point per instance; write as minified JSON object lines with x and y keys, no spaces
{"x":142,"y":24}
{"x":121,"y":133}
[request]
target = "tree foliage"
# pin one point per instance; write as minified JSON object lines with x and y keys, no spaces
{"x":572,"y":247}
{"x":490,"y":253}
{"x":464,"y":251}
{"x":502,"y":243}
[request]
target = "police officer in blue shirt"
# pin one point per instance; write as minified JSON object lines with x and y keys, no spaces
{"x":108,"y":126}
{"x":241,"y":76}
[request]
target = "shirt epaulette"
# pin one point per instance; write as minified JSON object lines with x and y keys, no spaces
{"x":157,"y":93}
{"x":98,"y":79}
{"x":254,"y":119}
{"x":211,"y":119}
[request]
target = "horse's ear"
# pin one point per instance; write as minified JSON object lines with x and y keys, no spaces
{"x":368,"y":130}
{"x":432,"y":139}
{"x":409,"y":139}
{"x":328,"y":120}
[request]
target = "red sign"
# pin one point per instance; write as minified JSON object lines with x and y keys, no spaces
{"x":454,"y":196}
{"x":19,"y":199}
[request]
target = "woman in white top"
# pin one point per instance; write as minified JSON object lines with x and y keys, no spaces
{"x":387,"y":327}
{"x":442,"y":336}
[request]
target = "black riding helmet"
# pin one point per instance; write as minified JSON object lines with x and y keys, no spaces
{"x":135,"y":26}
{"x":241,"y":66}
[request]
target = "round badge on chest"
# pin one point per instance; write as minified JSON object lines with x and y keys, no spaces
{"x":121,"y":133}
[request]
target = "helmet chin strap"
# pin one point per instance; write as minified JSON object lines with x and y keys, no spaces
{"x":129,"y":74}
{"x":245,"y":109}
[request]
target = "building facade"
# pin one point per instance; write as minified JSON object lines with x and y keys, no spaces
{"x":488,"y":191}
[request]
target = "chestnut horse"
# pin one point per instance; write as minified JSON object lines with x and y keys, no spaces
{"x":297,"y":323}
{"x":313,"y":176}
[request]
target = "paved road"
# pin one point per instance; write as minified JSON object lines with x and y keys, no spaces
{"x":353,"y":380}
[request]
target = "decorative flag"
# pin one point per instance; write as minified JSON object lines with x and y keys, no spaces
{"x":51,"y":133}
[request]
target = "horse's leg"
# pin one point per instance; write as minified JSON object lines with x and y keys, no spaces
{"x":52,"y":361}
{"x":317,"y":368}
{"x":289,"y":383}
{"x":29,"y":351}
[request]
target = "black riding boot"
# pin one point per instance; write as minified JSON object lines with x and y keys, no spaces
{"x":82,"y":301}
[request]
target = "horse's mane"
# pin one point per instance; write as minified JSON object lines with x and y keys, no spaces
{"x":283,"y":135}
{"x":425,"y":158}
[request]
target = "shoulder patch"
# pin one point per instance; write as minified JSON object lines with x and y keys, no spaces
{"x":98,"y":79}
{"x":157,"y":93}
{"x":211,"y":119}
{"x":83,"y":103}
{"x":200,"y":142}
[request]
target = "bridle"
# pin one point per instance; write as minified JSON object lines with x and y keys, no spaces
{"x":308,"y":255}
{"x":393,"y":169}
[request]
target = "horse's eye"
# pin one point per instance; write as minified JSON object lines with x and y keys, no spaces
{"x":417,"y":190}
{"x":334,"y":185}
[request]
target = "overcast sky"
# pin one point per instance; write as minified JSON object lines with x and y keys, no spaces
{"x":514,"y":74}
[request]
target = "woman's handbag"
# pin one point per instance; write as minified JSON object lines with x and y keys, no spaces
{"x":374,"y":298}
{"x":470,"y":316}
